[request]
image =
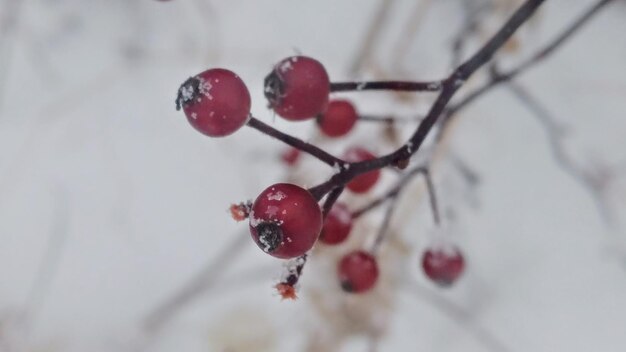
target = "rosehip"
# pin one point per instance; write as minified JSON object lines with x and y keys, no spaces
{"x":285,"y":220}
{"x":216,"y":102}
{"x":297,"y":88}
{"x":337,"y":225}
{"x":290,"y":156}
{"x":443,"y":265}
{"x":338,"y":119}
{"x":358,"y":272}
{"x":364,"y":182}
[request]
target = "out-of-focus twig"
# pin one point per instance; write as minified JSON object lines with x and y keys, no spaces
{"x":595,"y":181}
{"x":9,"y":25}
{"x":363,"y":55}
{"x":459,"y":315}
{"x":199,"y":284}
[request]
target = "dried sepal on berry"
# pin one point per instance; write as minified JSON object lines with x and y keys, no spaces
{"x":241,"y":211}
{"x":287,"y":287}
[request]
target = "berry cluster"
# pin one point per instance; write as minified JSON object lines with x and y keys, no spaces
{"x":286,"y":220}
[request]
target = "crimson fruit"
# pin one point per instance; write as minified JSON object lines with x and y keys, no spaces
{"x":338,"y":119}
{"x":337,"y":224}
{"x":285,"y":220}
{"x":216,"y":102}
{"x":364,"y":182}
{"x":298,"y":88}
{"x":443,"y":265}
{"x":290,"y":156}
{"x":358,"y":272}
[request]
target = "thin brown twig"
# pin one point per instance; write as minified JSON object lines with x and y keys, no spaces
{"x":317,"y":152}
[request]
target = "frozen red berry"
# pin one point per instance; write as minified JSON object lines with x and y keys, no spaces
{"x":364,"y":182}
{"x":297,"y":88}
{"x":216,"y":102}
{"x":337,"y":224}
{"x":358,"y":272}
{"x":443,"y":264}
{"x":290,"y":156}
{"x":285,"y":220}
{"x":338,"y":119}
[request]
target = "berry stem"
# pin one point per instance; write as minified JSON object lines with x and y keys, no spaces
{"x":407,"y":86}
{"x":432,"y":196}
{"x":294,"y":142}
{"x":384,"y":226}
{"x":391,"y":193}
{"x":390,"y":119}
{"x":330,"y":200}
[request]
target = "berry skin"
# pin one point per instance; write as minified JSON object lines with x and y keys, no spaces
{"x":285,"y":220}
{"x":364,"y":182}
{"x":338,"y":119}
{"x":297,"y":88}
{"x":337,"y":225}
{"x":216,"y":102}
{"x":290,"y":156}
{"x":443,"y":265}
{"x":358,"y":272}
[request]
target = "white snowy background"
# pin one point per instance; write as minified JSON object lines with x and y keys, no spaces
{"x":110,"y":202}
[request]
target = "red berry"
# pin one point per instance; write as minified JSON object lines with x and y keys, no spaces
{"x":216,"y":102}
{"x":364,"y":182}
{"x":358,"y":272}
{"x":337,"y":225}
{"x":338,"y":119}
{"x":443,"y":265}
{"x":297,"y":88}
{"x":285,"y":220}
{"x":290,"y":156}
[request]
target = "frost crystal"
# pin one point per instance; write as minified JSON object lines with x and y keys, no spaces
{"x":276,"y":196}
{"x":253,"y":221}
{"x":272,"y":211}
{"x":434,"y":86}
{"x":285,"y":66}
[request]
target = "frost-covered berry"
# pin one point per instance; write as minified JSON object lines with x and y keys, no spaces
{"x":364,"y":182}
{"x":338,"y":119}
{"x":337,"y":224}
{"x":443,"y":265}
{"x":297,"y":88}
{"x":358,"y":272}
{"x":216,"y":102}
{"x":285,"y":220}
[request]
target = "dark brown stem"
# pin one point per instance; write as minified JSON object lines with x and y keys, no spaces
{"x":499,"y":77}
{"x":295,"y":142}
{"x":449,"y":87}
{"x":407,"y":86}
{"x":330,"y":200}
{"x":390,"y":119}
